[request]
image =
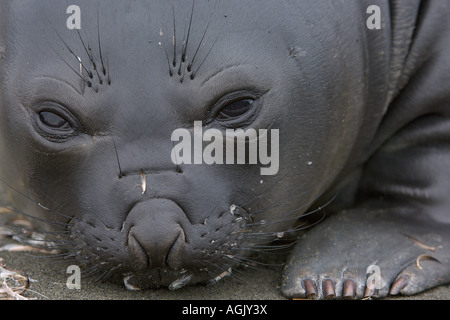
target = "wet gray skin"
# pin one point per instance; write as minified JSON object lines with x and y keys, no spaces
{"x":86,"y":119}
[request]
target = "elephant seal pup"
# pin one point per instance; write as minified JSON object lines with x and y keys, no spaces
{"x":114,"y":138}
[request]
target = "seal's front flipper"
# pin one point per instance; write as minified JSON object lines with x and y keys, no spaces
{"x":366,"y":252}
{"x":397,"y":234}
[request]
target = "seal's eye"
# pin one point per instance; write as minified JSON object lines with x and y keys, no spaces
{"x":236,"y":109}
{"x":54,"y":121}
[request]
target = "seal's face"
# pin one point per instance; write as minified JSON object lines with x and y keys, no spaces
{"x":87,"y":118}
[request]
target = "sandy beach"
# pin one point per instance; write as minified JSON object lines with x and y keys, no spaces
{"x":49,"y":281}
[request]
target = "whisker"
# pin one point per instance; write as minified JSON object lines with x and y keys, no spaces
{"x":186,"y":41}
{"x":226,"y":272}
{"x":262,"y":248}
{"x":203,"y":264}
{"x":69,"y":49}
{"x":292,"y":218}
{"x":91,"y":58}
{"x":271,"y":185}
{"x":165,"y":50}
{"x":176,"y":159}
{"x":249,"y":262}
{"x":321,"y":207}
{"x":49,"y":222}
{"x":193,"y":74}
{"x":85,"y":81}
{"x":107,"y":68}
{"x":212,"y":211}
{"x":236,"y":269}
{"x":107,"y":274}
{"x":99,"y":42}
{"x":90,"y":271}
{"x":174,"y":38}
{"x":282,"y":203}
{"x":45,"y":243}
{"x":22,"y":229}
{"x":201,"y":40}
{"x":303,"y":226}
{"x":70,"y":256}
{"x":117,"y":158}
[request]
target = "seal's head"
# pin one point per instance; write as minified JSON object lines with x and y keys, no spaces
{"x":87,"y":122}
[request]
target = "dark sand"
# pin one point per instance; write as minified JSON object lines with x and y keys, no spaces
{"x":51,"y":280}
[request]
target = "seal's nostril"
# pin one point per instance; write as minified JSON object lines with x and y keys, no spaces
{"x":174,"y":255}
{"x":138,"y":251}
{"x":149,"y":252}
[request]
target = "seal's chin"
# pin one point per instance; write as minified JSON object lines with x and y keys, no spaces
{"x":157,"y":245}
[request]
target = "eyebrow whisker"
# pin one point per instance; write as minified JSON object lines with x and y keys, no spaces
{"x":85,"y":81}
{"x":174,"y":39}
{"x":185,"y":43}
{"x":201,"y":40}
{"x":89,"y":54}
{"x":161,"y":34}
{"x":99,"y":43}
{"x":83,"y":84}
{"x":193,"y":74}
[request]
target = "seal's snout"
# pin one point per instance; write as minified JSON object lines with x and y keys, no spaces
{"x":156,"y":235}
{"x":155,"y":243}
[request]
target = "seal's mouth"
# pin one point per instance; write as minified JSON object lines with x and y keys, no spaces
{"x":157,"y":245}
{"x":172,"y":279}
